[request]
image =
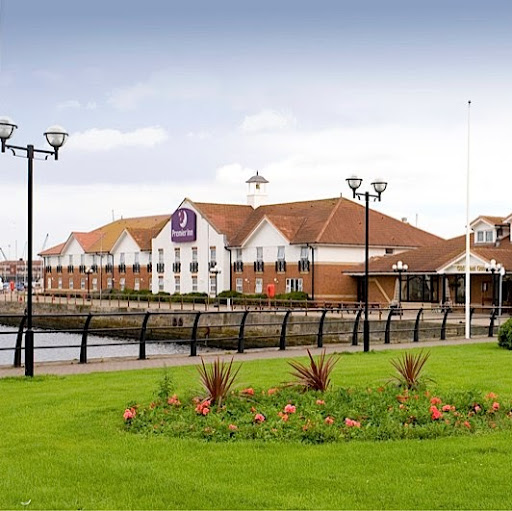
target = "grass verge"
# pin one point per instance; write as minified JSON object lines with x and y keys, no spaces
{"x":62,"y":446}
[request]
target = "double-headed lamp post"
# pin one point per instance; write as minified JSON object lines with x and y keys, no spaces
{"x":494,"y":268}
{"x":400,"y":267}
{"x":379,"y":185}
{"x":56,"y":136}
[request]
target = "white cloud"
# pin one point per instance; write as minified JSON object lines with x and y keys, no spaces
{"x":267,"y":120}
{"x":105,"y":139}
{"x":128,"y":98}
{"x":74,"y":104}
{"x":70,"y":103}
{"x":233,"y":174}
{"x":199,"y":135}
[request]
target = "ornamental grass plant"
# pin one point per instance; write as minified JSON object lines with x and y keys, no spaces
{"x":409,"y":367}
{"x":316,"y":375}
{"x":217,"y":379}
{"x":288,"y":414}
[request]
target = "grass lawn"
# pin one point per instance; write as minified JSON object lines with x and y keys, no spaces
{"x":62,"y":446}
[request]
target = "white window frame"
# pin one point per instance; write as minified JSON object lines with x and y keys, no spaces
{"x":177,"y":255}
{"x":489,"y":236}
{"x":177,"y":284}
{"x":280,"y":253}
{"x":70,"y":283}
{"x":70,"y":259}
{"x":121,"y":258}
{"x":160,"y":255}
{"x":82,"y":283}
{"x":238,"y":255}
{"x":293,"y":285}
{"x":213,"y":285}
{"x":194,"y":254}
{"x":258,"y":286}
{"x":194,"y":284}
{"x":122,"y":283}
{"x":304,"y":252}
{"x":136,"y":284}
{"x":59,"y":283}
{"x":109,"y":282}
{"x":480,"y":236}
{"x":239,"y":285}
{"x":259,"y":253}
{"x":136,"y":258}
{"x":95,"y":284}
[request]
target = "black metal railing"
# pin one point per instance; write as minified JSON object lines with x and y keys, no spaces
{"x":245,"y":328}
{"x":303,"y":265}
{"x":238,"y":266}
{"x":194,"y":267}
{"x":259,"y":266}
{"x":160,"y":267}
{"x":281,"y":265}
{"x":176,"y":267}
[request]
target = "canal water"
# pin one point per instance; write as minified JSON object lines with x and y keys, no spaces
{"x":49,"y":347}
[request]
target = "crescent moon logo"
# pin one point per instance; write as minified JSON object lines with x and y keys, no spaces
{"x":182,"y":218}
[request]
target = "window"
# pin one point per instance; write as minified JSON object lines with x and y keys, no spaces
{"x":259,"y":253}
{"x":480,"y":236}
{"x":194,"y":283}
{"x":239,"y":285}
{"x":304,"y":252}
{"x":258,"y":286}
{"x":160,"y":283}
{"x":59,"y":283}
{"x":420,"y":288}
{"x":109,"y":282}
{"x":280,"y":253}
{"x":95,"y":284}
{"x":136,"y":285}
{"x":390,"y":250}
{"x":94,"y":260}
{"x":177,"y":255}
{"x":70,"y":259}
{"x":49,"y":283}
{"x":213,"y":255}
{"x":238,"y":254}
{"x":122,"y":283}
{"x":121,"y":258}
{"x":213,"y":285}
{"x":161,"y":255}
{"x":82,"y":259}
{"x":489,"y":238}
{"x":293,"y":285}
{"x":70,"y":283}
{"x":177,"y":284}
{"x":136,"y":258}
{"x":82,"y":283}
{"x":485,"y":236}
{"x":59,"y":260}
{"x":194,"y":254}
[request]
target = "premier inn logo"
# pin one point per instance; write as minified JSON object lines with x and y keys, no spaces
{"x":183,"y":225}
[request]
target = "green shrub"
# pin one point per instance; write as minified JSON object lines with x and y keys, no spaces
{"x":230,"y":294}
{"x":295,"y":295}
{"x":505,"y":335}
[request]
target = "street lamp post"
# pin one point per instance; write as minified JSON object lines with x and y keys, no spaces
{"x":494,"y":268}
{"x":379,"y":186}
{"x":56,"y":137}
{"x":400,"y":267}
{"x":88,"y":272}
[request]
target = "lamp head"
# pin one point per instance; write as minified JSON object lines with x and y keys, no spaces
{"x":7,"y":128}
{"x":354,"y":182}
{"x":379,"y":186}
{"x":56,"y":136}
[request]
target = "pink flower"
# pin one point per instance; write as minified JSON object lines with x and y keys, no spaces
{"x":249,"y":391}
{"x":284,"y":417}
{"x":352,"y":423}
{"x":129,"y":414}
{"x":446,"y":408}
{"x":467,"y":424}
{"x":435,"y":413}
{"x":202,"y":408}
{"x":477,"y":408}
{"x":174,"y":401}
{"x":271,"y":391}
{"x":259,"y":417}
{"x":232,"y":427}
{"x":289,"y":408}
{"x":329,"y":420}
{"x":495,"y":406}
{"x":320,"y":402}
{"x":491,"y":395}
{"x":435,"y":401}
{"x":205,"y":411}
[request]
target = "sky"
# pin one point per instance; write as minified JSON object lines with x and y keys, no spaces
{"x":165,"y":100}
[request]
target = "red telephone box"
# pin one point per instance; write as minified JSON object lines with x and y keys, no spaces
{"x":11,"y":285}
{"x":271,"y":290}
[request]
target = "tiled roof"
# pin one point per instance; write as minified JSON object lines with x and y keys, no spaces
{"x":432,"y":258}
{"x":227,"y":219}
{"x":56,"y":250}
{"x":493,"y":220}
{"x":102,"y":239}
{"x":335,"y":221}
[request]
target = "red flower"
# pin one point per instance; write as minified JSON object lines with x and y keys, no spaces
{"x":352,"y":423}
{"x":258,"y":418}
{"x":435,"y":413}
{"x":289,"y":408}
{"x":129,"y":414}
{"x":271,"y":391}
{"x":495,"y":406}
{"x":329,"y":420}
{"x":491,"y":395}
{"x":232,"y":427}
{"x":447,"y":408}
{"x":174,"y":401}
{"x":320,"y":402}
{"x":249,"y":391}
{"x":467,"y":424}
{"x":435,"y":401}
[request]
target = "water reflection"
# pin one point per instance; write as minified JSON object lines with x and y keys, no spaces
{"x":54,"y":350}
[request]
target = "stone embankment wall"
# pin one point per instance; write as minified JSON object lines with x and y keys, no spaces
{"x":221,"y":329}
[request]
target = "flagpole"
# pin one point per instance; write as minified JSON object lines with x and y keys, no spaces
{"x":468,"y":258}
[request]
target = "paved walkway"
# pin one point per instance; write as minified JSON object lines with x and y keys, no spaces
{"x":125,"y":364}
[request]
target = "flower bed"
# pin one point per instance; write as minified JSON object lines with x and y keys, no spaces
{"x":287,"y":414}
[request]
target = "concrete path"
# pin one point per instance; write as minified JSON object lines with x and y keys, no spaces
{"x":125,"y":364}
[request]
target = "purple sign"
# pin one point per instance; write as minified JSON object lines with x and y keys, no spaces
{"x":183,"y":225}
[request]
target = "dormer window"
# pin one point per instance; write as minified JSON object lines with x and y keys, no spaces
{"x":486,"y":236}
